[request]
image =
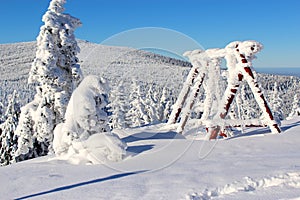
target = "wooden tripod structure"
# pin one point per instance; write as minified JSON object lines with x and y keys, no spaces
{"x":238,"y":56}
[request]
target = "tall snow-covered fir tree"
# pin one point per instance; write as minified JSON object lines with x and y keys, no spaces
{"x":56,"y":73}
{"x":8,"y":139}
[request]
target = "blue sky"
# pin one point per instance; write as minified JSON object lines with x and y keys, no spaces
{"x":212,"y":23}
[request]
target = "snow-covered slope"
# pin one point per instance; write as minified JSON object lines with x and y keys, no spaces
{"x":163,"y":165}
{"x":113,"y":63}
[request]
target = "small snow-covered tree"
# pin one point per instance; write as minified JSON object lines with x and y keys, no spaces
{"x":245,"y":106}
{"x":151,"y":104}
{"x":81,"y":135}
{"x":8,"y":139}
{"x":277,"y":103}
{"x":28,"y":146}
{"x":165,"y":105}
{"x":136,"y":115}
{"x":1,"y":112}
{"x":56,"y":73}
{"x":118,"y":103}
{"x":295,"y":107}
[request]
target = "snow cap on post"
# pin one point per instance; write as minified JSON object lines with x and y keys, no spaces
{"x":248,"y":48}
{"x":190,"y":54}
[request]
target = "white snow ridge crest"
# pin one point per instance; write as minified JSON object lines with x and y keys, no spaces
{"x":291,"y":179}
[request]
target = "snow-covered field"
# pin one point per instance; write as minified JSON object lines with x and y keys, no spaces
{"x":161,"y":164}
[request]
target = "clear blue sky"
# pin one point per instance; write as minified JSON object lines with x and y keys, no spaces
{"x":212,"y":23}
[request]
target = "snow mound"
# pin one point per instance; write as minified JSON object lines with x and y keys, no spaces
{"x":97,"y":149}
{"x":85,"y":137}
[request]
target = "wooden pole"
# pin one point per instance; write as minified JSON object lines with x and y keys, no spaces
{"x":183,"y":96}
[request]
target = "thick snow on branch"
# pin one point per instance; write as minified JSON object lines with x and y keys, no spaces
{"x":85,"y":136}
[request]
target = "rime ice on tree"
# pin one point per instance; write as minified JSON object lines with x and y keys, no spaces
{"x":277,"y":104}
{"x":85,"y":136}
{"x":56,"y":73}
{"x":295,"y":107}
{"x":8,"y":139}
{"x":1,"y":112}
{"x":136,"y":115}
{"x":238,"y":56}
{"x":118,"y":107}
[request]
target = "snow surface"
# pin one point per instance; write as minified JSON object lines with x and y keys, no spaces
{"x":161,"y":164}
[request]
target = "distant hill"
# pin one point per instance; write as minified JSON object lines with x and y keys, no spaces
{"x":118,"y":64}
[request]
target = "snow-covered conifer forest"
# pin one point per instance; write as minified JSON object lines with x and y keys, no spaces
{"x":93,"y":120}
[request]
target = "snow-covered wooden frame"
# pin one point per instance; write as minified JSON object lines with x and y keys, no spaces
{"x":238,"y":56}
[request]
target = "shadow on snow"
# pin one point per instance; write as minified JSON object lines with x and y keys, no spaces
{"x":68,"y":187}
{"x":263,"y":131}
{"x":152,"y":136}
{"x":139,"y":149}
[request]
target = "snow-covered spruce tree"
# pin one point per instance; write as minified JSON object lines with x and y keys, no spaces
{"x":295,"y":107}
{"x":117,"y":107}
{"x":1,"y":112}
{"x":85,"y":135}
{"x":277,"y":104}
{"x":136,"y":115}
{"x":151,"y":104}
{"x":8,"y":139}
{"x":165,"y":105}
{"x":245,"y":107}
{"x":56,"y":73}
